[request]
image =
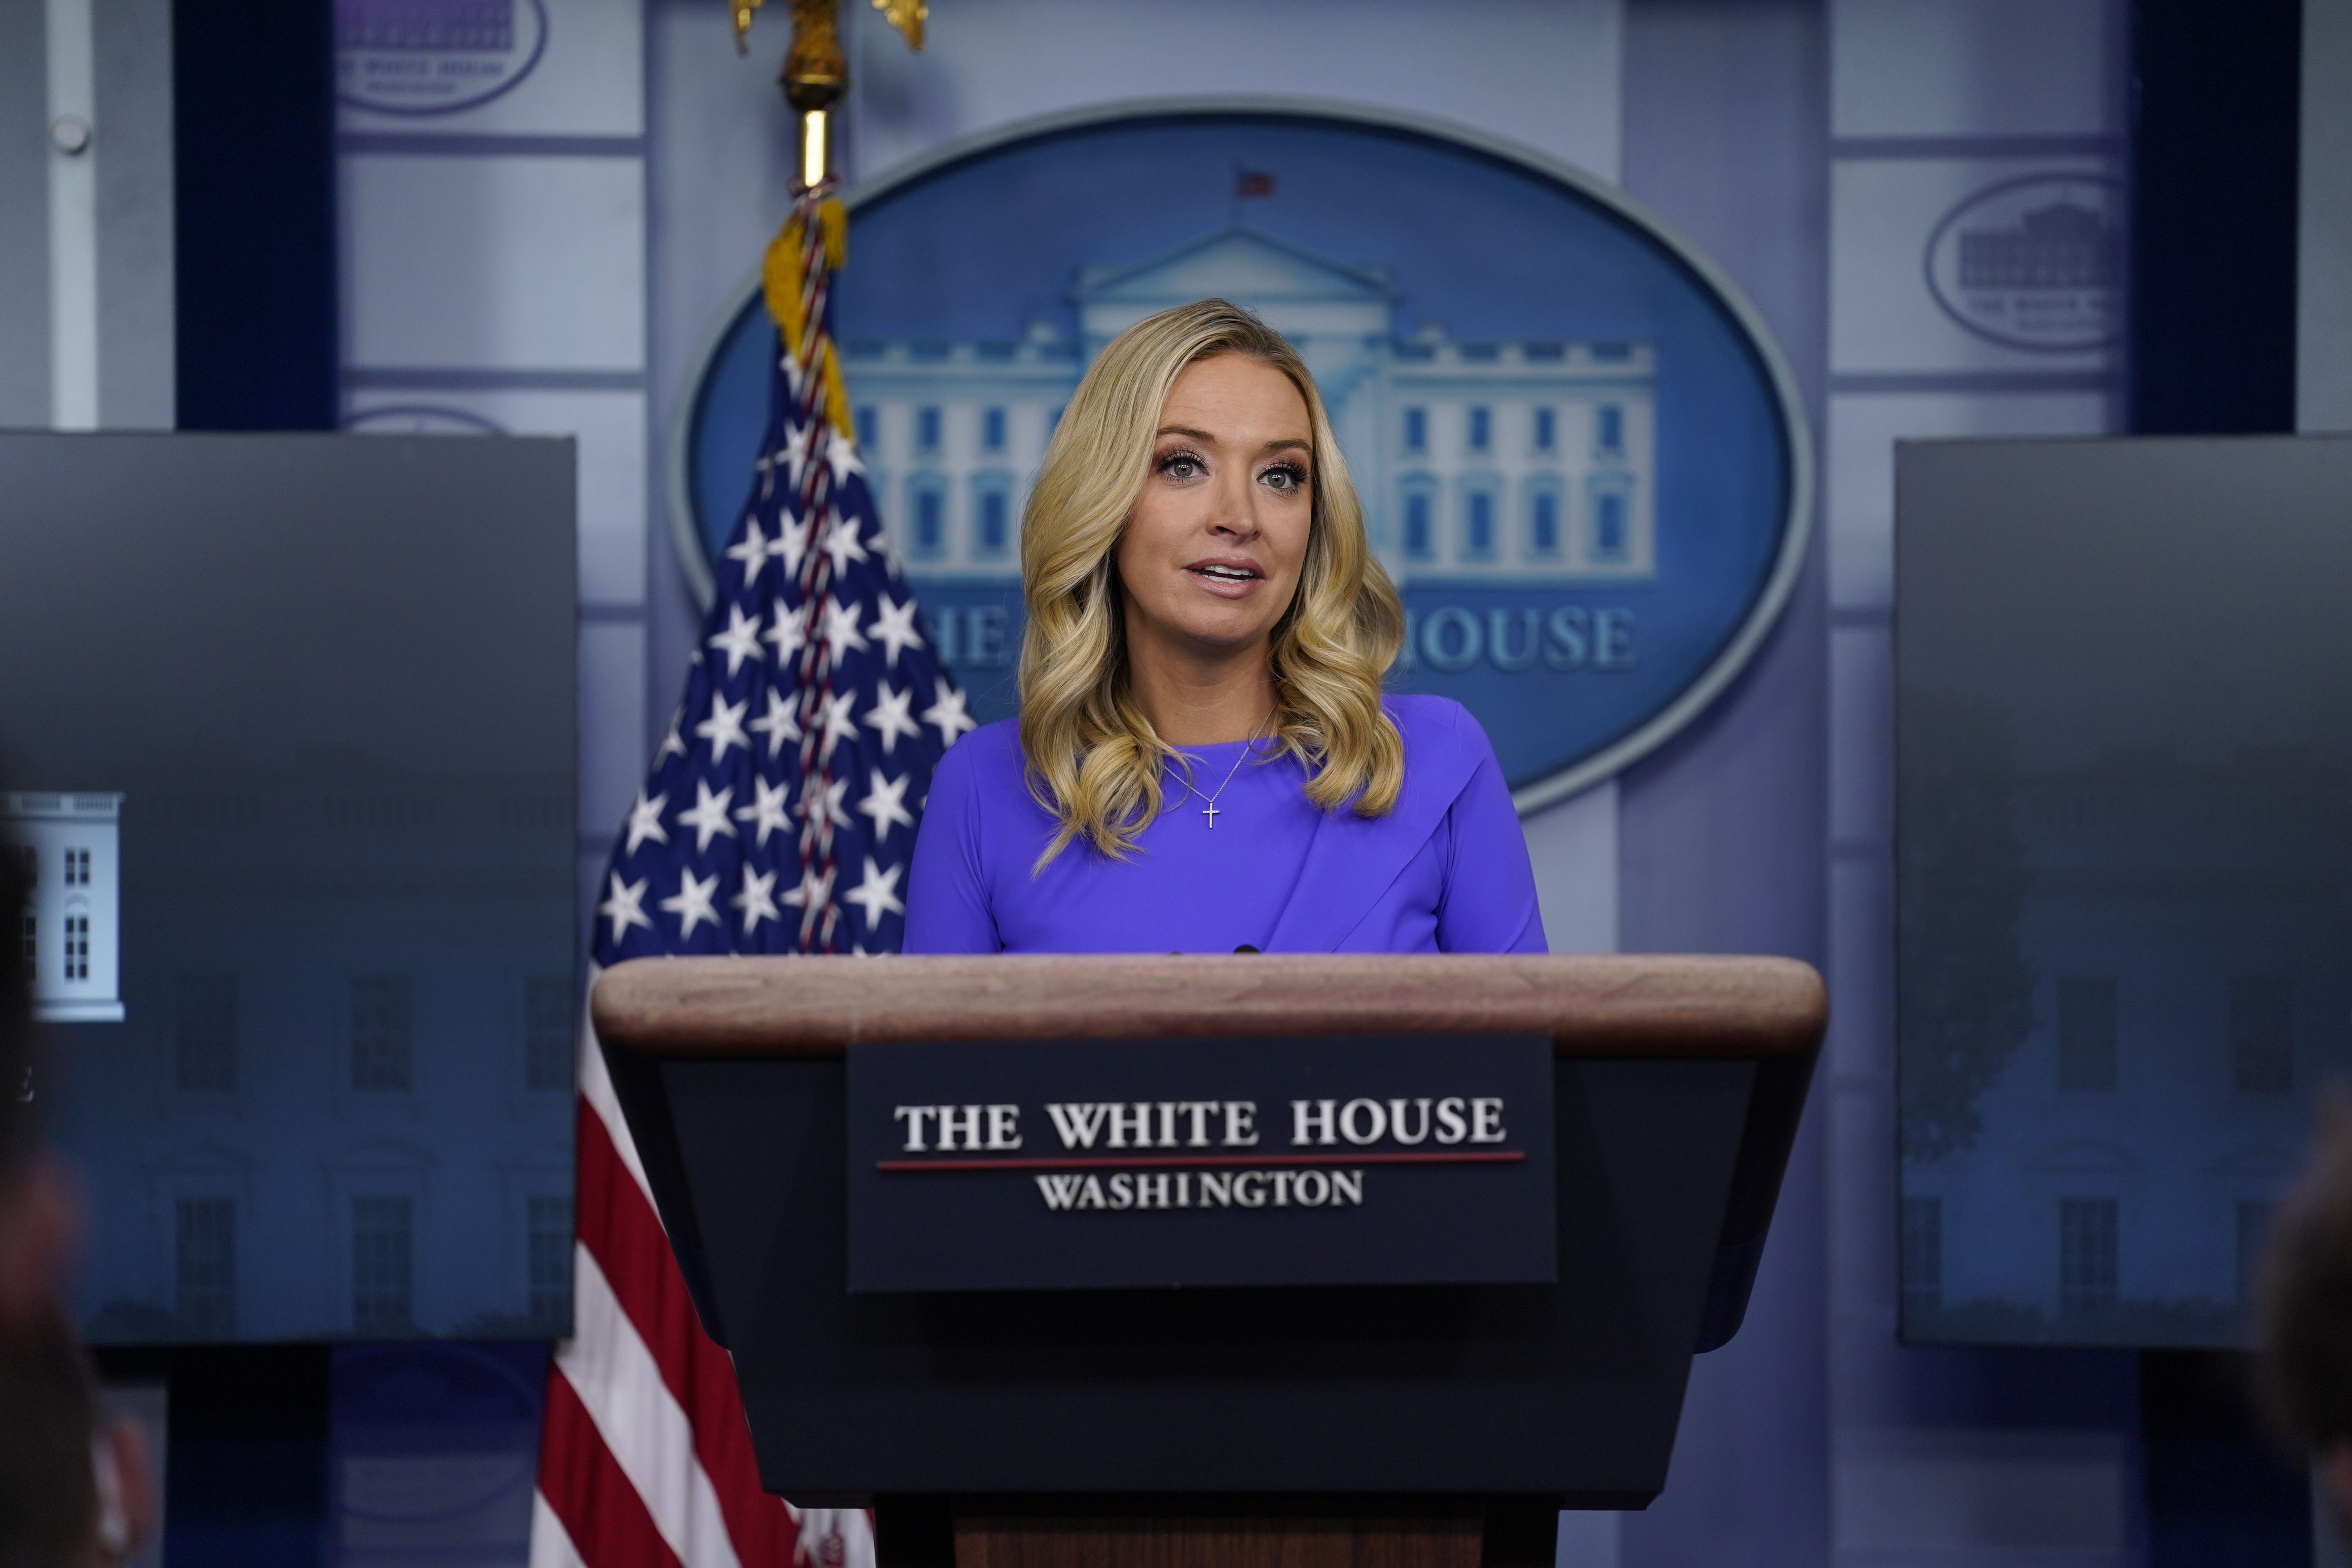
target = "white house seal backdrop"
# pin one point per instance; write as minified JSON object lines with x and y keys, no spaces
{"x":1579,"y":453}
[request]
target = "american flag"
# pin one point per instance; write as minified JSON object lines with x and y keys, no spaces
{"x":779,"y":817}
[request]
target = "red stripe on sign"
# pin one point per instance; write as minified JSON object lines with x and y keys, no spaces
{"x":621,"y":1233}
{"x":1111,"y":1162}
{"x":587,"y":1490}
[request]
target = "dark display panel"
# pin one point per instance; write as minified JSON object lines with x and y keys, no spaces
{"x":332,"y":680}
{"x":2124,"y":829}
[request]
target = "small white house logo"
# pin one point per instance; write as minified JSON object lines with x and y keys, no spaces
{"x":2034,"y":263}
{"x":434,"y":57}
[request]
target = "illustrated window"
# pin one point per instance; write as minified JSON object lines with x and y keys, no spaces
{"x":384,"y":1245}
{"x":2087,"y":1256}
{"x":203,"y":1268}
{"x":381,"y":1007}
{"x":1416,"y":430}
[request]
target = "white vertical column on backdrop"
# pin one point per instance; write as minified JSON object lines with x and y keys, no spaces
{"x":74,"y":152}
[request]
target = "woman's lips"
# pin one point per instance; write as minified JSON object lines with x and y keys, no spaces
{"x":1227,"y":580}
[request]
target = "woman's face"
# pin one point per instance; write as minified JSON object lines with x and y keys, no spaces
{"x":1212,"y":551}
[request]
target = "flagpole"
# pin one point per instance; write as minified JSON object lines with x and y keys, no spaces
{"x":814,"y":76}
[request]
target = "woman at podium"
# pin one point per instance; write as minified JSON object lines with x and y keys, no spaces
{"x":1204,"y":759}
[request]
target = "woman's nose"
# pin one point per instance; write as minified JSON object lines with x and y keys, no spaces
{"x":1235,"y":512}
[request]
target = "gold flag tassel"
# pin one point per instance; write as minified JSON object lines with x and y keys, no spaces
{"x":788,"y":281}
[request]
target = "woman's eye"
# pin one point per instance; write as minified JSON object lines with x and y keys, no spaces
{"x":1182,"y":466}
{"x":1284,"y":479}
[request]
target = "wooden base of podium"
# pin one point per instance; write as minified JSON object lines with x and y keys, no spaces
{"x":1228,"y":1532}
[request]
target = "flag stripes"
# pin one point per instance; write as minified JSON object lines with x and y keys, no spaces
{"x":627,"y":1479}
{"x":624,"y":1240}
{"x":599,"y":1506}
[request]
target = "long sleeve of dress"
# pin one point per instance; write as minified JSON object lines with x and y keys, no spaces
{"x":947,"y":899}
{"x":1489,"y":903}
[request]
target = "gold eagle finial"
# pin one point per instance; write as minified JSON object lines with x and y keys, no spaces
{"x":906,"y":15}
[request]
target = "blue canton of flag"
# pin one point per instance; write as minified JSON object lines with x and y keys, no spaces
{"x":780,"y":812}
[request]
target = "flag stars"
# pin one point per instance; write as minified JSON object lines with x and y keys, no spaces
{"x":708,"y":816}
{"x":692,"y":902}
{"x":767,"y":810}
{"x":948,"y":712}
{"x":789,"y":634}
{"x":877,"y":895}
{"x":887,"y":550}
{"x":886,"y":802}
{"x":841,"y":632}
{"x":828,"y":647}
{"x":644,"y":821}
{"x":796,"y":452}
{"x":777,"y":723}
{"x":756,"y":900}
{"x":841,"y":542}
{"x":625,"y":906}
{"x":752,"y":551}
{"x":724,"y":728}
{"x":838,"y":723}
{"x":889,"y":717}
{"x":841,"y":456}
{"x":790,"y":545}
{"x":740,"y":641}
{"x":894,"y":628}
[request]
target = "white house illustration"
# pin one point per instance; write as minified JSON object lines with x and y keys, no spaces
{"x":70,"y":846}
{"x":1493,"y":461}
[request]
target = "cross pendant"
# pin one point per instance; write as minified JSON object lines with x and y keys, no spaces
{"x":1210,"y":811}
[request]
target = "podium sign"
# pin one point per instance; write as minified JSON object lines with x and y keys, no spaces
{"x":1349,"y":1160}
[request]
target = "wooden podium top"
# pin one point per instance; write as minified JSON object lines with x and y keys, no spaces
{"x":1617,"y":1006}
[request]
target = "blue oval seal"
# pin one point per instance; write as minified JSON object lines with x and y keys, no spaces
{"x":1581,"y":455}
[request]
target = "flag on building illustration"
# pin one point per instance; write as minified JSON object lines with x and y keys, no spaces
{"x":778,"y":816}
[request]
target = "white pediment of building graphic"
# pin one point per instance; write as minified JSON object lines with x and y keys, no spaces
{"x":1293,"y":290}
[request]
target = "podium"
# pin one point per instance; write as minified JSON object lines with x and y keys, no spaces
{"x":1268,"y":1426}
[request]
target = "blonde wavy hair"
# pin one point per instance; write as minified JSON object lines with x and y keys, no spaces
{"x":1094,"y":760}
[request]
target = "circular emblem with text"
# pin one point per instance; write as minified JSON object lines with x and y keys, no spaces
{"x":1579,"y":456}
{"x":2034,"y":263}
{"x":434,"y":57}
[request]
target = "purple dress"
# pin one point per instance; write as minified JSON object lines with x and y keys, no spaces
{"x":1445,"y":871}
